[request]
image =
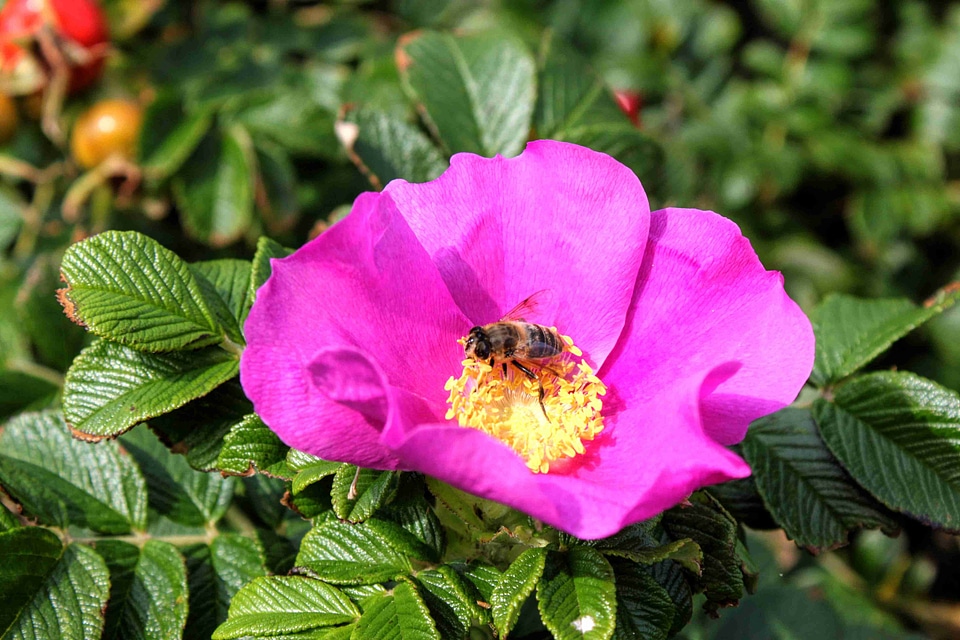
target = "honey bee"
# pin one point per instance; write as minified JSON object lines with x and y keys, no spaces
{"x":514,"y":341}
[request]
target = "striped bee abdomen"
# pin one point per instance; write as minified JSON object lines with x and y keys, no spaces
{"x":540,"y":342}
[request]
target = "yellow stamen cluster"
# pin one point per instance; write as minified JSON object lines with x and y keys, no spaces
{"x":507,"y":406}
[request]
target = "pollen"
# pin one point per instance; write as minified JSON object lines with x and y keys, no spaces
{"x":506,"y":405}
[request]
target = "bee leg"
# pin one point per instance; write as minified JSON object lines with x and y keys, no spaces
{"x":530,"y":374}
{"x":504,"y":369}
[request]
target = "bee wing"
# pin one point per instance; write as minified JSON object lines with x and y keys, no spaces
{"x":537,"y":306}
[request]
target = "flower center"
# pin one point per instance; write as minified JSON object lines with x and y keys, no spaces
{"x":507,"y":405}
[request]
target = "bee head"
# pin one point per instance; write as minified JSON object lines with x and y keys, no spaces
{"x":477,"y":345}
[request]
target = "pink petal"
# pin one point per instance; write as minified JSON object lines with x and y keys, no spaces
{"x":363,"y":297}
{"x":558,"y":217}
{"x":702,"y":300}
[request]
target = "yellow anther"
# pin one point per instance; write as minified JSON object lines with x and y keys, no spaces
{"x":506,"y":405}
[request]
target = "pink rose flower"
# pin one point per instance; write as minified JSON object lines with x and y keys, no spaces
{"x":355,"y":343}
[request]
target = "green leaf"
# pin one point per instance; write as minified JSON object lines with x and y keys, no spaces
{"x":199,"y":428}
{"x":265,"y":496}
{"x":577,"y":596}
{"x":644,"y":608}
{"x":148,"y":591}
{"x":907,"y":426}
{"x":358,"y":493}
{"x":481,"y":575}
{"x":313,"y":472}
{"x":276,"y":199}
{"x":385,"y":147}
{"x":477,"y":92}
{"x":452,"y":602}
{"x":230,"y":280}
{"x":215,"y":573}
{"x":168,"y":136}
{"x":670,"y":576}
{"x":252,"y":445}
{"x":124,"y":286}
{"x":8,"y":521}
{"x":55,"y":339}
{"x":20,"y":391}
{"x":401,"y":539}
{"x":215,"y":188}
{"x":684,"y":551}
{"x":851,"y":332}
{"x":67,"y":482}
{"x":267,"y":250}
{"x":460,"y":504}
{"x":706,"y":523}
{"x":176,"y":490}
{"x":415,"y":515}
{"x":111,"y":388}
{"x":344,"y":553}
{"x":293,"y":120}
{"x":400,"y":615}
{"x":803,"y":486}
{"x":48,"y":591}
{"x":742,"y":500}
{"x":277,"y":605}
{"x":514,"y":587}
{"x":11,"y":215}
{"x":570,"y":93}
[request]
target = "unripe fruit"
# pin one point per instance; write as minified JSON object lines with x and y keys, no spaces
{"x":108,"y":128}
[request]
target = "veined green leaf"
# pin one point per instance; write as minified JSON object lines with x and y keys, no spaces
{"x":251,"y":444}
{"x":851,"y":332}
{"x":267,"y":250}
{"x":148,"y":591}
{"x":684,"y":551}
{"x":168,"y":136}
{"x":124,"y":286}
{"x":343,"y":553}
{"x":452,"y":602}
{"x":178,"y":491}
{"x":907,"y":426}
{"x":385,"y":148}
{"x":215,"y":188}
{"x":644,"y":608}
{"x":670,"y":576}
{"x":577,"y":595}
{"x":229,"y":284}
{"x":67,"y":482}
{"x":48,"y":591}
{"x":401,"y":615}
{"x":200,"y":427}
{"x":803,"y":486}
{"x":19,"y":391}
{"x":215,"y":573}
{"x":358,"y":493}
{"x":278,"y":605}
{"x":110,"y":388}
{"x":515,"y":586}
{"x":477,"y":92}
{"x":570,"y":93}
{"x":706,"y":523}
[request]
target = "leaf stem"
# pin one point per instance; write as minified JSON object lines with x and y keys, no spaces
{"x":230,"y":346}
{"x":37,"y":371}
